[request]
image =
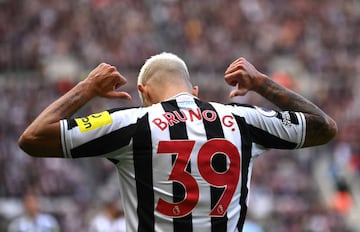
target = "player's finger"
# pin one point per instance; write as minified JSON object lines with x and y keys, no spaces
{"x":106,"y":68}
{"x":118,"y":80}
{"x":233,"y":78}
{"x":237,"y":64}
{"x":122,"y":79}
{"x":231,"y":68}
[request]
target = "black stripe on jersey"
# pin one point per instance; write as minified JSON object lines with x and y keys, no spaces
{"x":120,"y":108}
{"x":142,"y":147}
{"x":246,"y":144}
{"x":114,"y":161}
{"x":293,"y":118}
{"x":178,"y":131}
{"x":104,"y":144}
{"x":241,"y":104}
{"x":268,"y":140}
{"x":71,"y":124}
{"x":214,"y":130}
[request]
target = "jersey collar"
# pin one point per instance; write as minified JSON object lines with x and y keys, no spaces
{"x":181,"y":94}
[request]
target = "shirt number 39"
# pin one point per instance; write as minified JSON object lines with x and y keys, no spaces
{"x":227,"y":180}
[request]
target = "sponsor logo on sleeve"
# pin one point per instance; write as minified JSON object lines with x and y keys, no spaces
{"x":93,"y":121}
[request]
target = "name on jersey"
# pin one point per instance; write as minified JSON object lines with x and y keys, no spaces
{"x":93,"y":121}
{"x":174,"y":117}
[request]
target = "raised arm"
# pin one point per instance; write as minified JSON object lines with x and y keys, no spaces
{"x":320,"y":127}
{"x":42,"y":137}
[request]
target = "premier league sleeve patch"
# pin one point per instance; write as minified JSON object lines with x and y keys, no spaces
{"x":93,"y":121}
{"x":266,"y":112}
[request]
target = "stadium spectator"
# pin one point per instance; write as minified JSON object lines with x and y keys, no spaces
{"x":109,"y":219}
{"x":33,"y":220}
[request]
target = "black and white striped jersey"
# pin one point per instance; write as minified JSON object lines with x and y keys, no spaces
{"x":184,"y":164}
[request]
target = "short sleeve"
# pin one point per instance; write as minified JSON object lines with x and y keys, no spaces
{"x":97,"y":134}
{"x":272,"y":129}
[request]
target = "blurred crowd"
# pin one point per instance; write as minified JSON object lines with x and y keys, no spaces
{"x":310,"y":46}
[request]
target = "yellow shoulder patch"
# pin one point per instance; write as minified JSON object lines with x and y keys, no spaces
{"x":93,"y":121}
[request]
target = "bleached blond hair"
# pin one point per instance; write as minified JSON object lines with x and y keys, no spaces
{"x":164,"y":60}
{"x":166,"y":65}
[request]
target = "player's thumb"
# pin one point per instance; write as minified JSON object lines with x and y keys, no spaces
{"x":238,"y":92}
{"x":118,"y":94}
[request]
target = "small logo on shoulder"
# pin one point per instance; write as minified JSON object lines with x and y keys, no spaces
{"x":266,"y":112}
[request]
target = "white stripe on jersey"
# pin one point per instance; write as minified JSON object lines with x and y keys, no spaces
{"x":231,"y":132}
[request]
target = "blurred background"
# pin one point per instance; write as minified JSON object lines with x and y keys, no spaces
{"x":313,"y":47}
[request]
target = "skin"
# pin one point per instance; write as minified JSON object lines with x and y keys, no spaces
{"x":31,"y":206}
{"x":42,"y":137}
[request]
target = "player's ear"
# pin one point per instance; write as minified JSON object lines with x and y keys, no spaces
{"x":195,"y":91}
{"x":141,"y":88}
{"x":144,"y":94}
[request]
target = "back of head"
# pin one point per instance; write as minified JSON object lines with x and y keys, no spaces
{"x":166,"y":73}
{"x":163,"y":66}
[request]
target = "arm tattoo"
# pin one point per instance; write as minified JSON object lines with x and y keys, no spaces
{"x":319,"y":127}
{"x":70,"y":105}
{"x":286,"y":99}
